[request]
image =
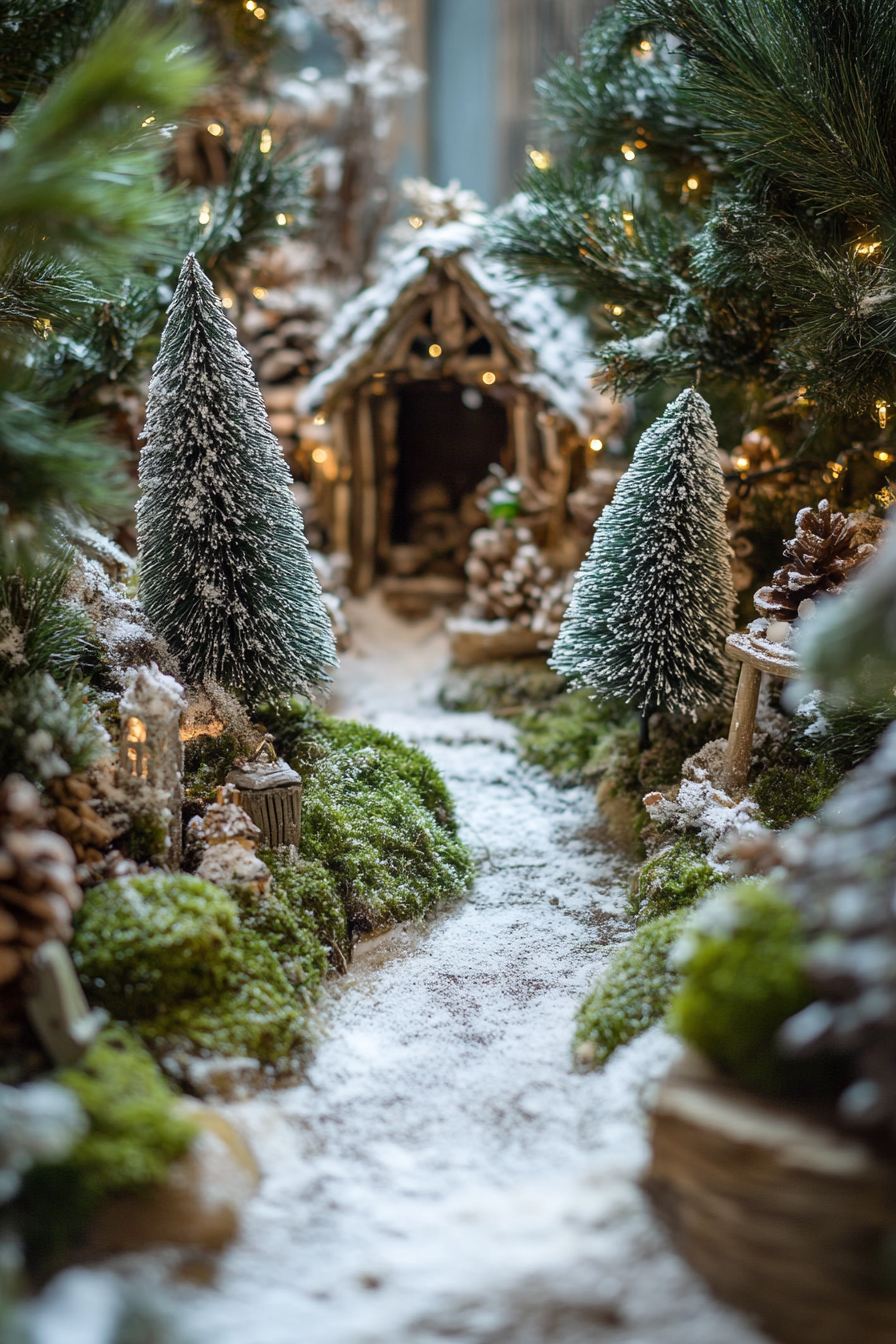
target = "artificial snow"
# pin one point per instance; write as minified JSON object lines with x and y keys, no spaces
{"x":442,"y":1172}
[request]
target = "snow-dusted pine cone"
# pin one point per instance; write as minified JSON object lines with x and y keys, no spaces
{"x":38,"y":891}
{"x":819,"y":559}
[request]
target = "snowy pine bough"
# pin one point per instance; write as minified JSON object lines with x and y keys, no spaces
{"x":226,"y":576}
{"x":653,"y":601}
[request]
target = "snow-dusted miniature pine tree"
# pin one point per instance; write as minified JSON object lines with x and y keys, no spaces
{"x":653,"y":600}
{"x":225,"y":576}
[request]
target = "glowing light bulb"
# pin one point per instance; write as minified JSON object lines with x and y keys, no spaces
{"x":215,"y":128}
{"x":692,"y":183}
{"x":320,"y":454}
{"x":266,"y":141}
{"x":249,"y":4}
{"x":489,"y":378}
{"x":866,"y":249}
{"x":435,"y":350}
{"x":645,"y":45}
{"x":259,"y":12}
{"x":741,"y":463}
{"x":540,"y":159}
{"x":596,"y":445}
{"x":415,"y":222}
{"x":205,"y":212}
{"x":226,"y":300}
{"x":282,"y":219}
{"x":260,"y":292}
{"x":148,"y":122}
{"x":835,"y":468}
{"x":617,"y":310}
{"x":640,"y":144}
{"x":320,"y":418}
{"x":883,"y":457}
{"x":881,"y":408}
{"x":627,"y":152}
{"x":627,"y":216}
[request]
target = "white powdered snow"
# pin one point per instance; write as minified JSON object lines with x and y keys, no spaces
{"x":443,"y":1173}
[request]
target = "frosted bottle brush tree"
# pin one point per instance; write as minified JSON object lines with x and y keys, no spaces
{"x":226,"y":576}
{"x":654,"y":600}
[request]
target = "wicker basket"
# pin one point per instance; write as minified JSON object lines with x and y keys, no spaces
{"x":785,"y":1216}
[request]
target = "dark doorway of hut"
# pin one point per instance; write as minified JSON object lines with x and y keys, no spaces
{"x":448,"y":435}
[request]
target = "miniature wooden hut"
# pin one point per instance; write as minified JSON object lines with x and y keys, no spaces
{"x":445,"y":366}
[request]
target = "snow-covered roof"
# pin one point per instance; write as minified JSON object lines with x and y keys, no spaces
{"x":555,"y":362}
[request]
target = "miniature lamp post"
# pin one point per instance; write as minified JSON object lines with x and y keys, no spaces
{"x":270,"y":791}
{"x":150,"y":753}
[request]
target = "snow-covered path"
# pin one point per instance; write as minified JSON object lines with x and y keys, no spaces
{"x":442,"y":1173}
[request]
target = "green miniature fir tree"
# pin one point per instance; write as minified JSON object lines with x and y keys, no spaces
{"x":654,"y":599}
{"x":226,"y":575}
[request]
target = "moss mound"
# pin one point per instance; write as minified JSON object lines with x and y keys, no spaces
{"x":632,"y":994}
{"x":792,"y":789}
{"x":675,"y":879}
{"x":135,"y":1133}
{"x":572,"y":736}
{"x":376,"y":814}
{"x":500,"y":687}
{"x":313,"y":912}
{"x":170,"y":955}
{"x":743,"y":964}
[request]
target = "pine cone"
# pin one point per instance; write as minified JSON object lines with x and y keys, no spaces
{"x":820,"y":556}
{"x":75,"y":817}
{"x":38,"y":891}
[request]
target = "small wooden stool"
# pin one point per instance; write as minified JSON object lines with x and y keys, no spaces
{"x":755,"y":660}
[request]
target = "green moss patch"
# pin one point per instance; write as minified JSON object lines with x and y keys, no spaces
{"x":792,"y":789}
{"x":675,"y":879}
{"x":376,"y":814}
{"x":743,"y":964}
{"x":573,"y":736}
{"x":632,"y":994}
{"x":207,"y":762}
{"x":135,"y":1134}
{"x":171,"y":955}
{"x":309,"y":895}
{"x":501,"y":687}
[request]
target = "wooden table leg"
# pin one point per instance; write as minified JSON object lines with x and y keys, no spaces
{"x":743,"y":724}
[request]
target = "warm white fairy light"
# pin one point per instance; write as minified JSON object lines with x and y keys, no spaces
{"x":266,"y":141}
{"x":881,"y":408}
{"x":742,"y":463}
{"x":320,"y":418}
{"x":488,"y":378}
{"x":205,"y":212}
{"x":148,"y":122}
{"x":320,"y":454}
{"x":215,"y":128}
{"x":435,"y":350}
{"x":541,"y":159}
{"x":596,"y":445}
{"x":260,"y":292}
{"x":627,"y":152}
{"x":415,"y":222}
{"x":692,"y":183}
{"x":617,"y":310}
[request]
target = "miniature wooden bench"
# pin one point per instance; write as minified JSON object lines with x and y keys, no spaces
{"x":756,"y":656}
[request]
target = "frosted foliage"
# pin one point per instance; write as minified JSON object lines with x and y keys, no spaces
{"x":840,"y":869}
{"x":225,"y":571}
{"x":653,"y":600}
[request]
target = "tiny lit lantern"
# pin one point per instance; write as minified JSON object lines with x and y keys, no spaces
{"x":270,"y":791}
{"x":150,"y":752}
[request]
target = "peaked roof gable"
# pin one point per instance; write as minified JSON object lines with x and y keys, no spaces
{"x":548,"y":347}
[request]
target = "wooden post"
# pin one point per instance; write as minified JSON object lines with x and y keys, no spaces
{"x":521,"y":445}
{"x":365,"y":498}
{"x":342,"y":498}
{"x":740,"y":734}
{"x":778,"y":662}
{"x":557,"y":470}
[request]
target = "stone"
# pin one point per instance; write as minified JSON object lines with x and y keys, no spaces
{"x":200,"y":1203}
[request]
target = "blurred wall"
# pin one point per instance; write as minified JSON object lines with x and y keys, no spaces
{"x":478,"y":112}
